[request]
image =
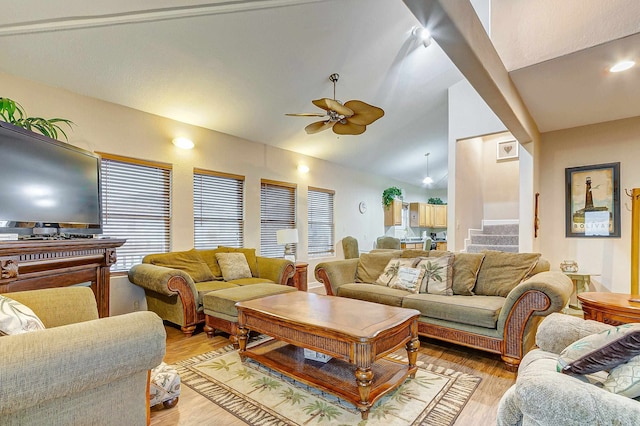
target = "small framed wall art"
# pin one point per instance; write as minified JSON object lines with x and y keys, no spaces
{"x":593,"y":201}
{"x":507,"y":150}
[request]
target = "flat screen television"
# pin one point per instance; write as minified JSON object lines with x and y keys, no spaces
{"x":47,"y":185}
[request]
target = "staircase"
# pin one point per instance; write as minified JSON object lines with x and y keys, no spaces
{"x":502,"y":236}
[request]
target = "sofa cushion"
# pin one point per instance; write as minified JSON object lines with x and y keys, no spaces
{"x":601,"y":351}
{"x":480,"y":311}
{"x":391,"y":270}
{"x":224,"y":301}
{"x":205,"y":287}
{"x":409,"y":253}
{"x":16,"y":318}
{"x":249,"y":253}
{"x":373,"y":293}
{"x":625,"y":379}
{"x":465,"y":272}
{"x":209,"y":256}
{"x":190,"y":262}
{"x":233,"y":266}
{"x":251,"y":281}
{"x":371,"y":265}
{"x":500,"y":272}
{"x":438,"y":275}
{"x":408,"y":279}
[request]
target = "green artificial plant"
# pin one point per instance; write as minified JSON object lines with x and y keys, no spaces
{"x":12,"y":112}
{"x":389,"y":194}
{"x":435,"y":201}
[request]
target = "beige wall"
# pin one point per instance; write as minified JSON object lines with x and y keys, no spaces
{"x":106,"y":127}
{"x":615,"y":141}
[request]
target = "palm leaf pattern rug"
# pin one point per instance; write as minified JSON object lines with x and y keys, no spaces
{"x":263,"y":397}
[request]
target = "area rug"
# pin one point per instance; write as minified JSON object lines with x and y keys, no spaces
{"x":262,"y":397}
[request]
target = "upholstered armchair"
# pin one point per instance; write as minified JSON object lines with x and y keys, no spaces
{"x":175,"y":282}
{"x":80,"y":369}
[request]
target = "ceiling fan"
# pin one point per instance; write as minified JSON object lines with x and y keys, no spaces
{"x":352,"y":118}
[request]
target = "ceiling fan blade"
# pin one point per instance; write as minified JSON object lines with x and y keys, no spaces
{"x":318,"y":126}
{"x":307,"y":114}
{"x":363,"y":113}
{"x":349,"y":128}
{"x":333,"y":105}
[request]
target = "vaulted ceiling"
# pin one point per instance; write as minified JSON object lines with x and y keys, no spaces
{"x":238,"y":66}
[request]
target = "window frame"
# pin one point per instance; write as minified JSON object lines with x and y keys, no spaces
{"x":312,"y":244}
{"x":269,"y":225}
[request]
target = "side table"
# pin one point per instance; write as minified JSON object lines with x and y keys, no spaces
{"x":581,"y":283}
{"x":609,"y":308}
{"x":299,"y":279}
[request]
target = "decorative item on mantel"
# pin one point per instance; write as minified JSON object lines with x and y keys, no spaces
{"x":569,"y":266}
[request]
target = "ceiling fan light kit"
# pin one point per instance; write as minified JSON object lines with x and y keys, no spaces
{"x":350,"y":118}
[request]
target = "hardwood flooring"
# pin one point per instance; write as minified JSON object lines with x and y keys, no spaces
{"x":193,"y":409}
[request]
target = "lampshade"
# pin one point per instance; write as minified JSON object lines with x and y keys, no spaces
{"x":287,"y":236}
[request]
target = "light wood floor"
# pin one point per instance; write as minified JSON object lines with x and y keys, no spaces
{"x":193,"y":409}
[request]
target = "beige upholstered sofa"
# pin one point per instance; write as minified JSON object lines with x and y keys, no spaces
{"x":544,"y":396}
{"x":497,"y":302}
{"x":80,"y":370}
{"x":174,"y":283}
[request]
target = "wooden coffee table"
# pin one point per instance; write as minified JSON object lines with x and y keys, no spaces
{"x":355,"y":333}
{"x":610,"y":308}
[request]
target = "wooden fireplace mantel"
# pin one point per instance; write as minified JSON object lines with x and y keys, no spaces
{"x":36,"y":264}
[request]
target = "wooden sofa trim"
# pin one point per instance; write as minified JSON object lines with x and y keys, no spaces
{"x":191,"y":315}
{"x":321,"y":276}
{"x":288,"y":272}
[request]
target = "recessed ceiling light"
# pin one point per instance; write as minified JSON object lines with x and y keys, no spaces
{"x":622,"y":66}
{"x":183,"y":143}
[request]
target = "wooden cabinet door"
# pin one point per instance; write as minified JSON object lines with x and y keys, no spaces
{"x":415,"y":215}
{"x":428,"y":216}
{"x":439,"y":215}
{"x":423,"y":215}
{"x":393,"y":214}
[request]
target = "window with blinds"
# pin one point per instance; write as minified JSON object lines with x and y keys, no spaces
{"x":218,"y":209}
{"x":277,"y":211}
{"x":320,"y":221}
{"x":136,"y":205}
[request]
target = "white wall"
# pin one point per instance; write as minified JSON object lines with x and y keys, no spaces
{"x":615,"y":141}
{"x":106,"y":127}
{"x":469,"y":116}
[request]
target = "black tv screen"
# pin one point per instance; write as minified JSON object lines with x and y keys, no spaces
{"x":47,"y":183}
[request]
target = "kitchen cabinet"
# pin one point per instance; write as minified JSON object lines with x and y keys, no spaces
{"x":423,"y":215}
{"x":393,"y":213}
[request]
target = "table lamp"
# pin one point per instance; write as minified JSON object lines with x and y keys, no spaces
{"x":287,"y":237}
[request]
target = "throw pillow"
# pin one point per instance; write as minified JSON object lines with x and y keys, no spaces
{"x":249,"y":253}
{"x":438,"y":275}
{"x":601,"y":351}
{"x":392,"y":268}
{"x":188,"y":261}
{"x":408,"y":279}
{"x":371,"y":265}
{"x":16,"y":318}
{"x":500,"y":272}
{"x":625,"y":379}
{"x":465,"y":272}
{"x":233,"y":266}
{"x":209,"y":257}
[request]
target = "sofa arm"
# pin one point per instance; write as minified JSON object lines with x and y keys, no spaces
{"x":557,"y":331}
{"x":61,"y":361}
{"x":163,"y":280}
{"x":59,"y":306}
{"x":275,"y":269}
{"x":335,"y":273}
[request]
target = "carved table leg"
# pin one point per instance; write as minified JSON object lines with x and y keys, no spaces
{"x":243,"y":336}
{"x":412,"y":353}
{"x":364,"y":378}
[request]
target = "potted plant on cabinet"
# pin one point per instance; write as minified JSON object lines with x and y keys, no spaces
{"x":390,"y":194}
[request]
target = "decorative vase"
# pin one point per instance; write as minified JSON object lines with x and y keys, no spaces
{"x":569,"y":266}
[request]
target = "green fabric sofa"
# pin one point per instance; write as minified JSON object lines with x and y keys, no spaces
{"x":481,"y":313}
{"x":544,"y":396}
{"x":175,"y":282}
{"x":80,"y":370}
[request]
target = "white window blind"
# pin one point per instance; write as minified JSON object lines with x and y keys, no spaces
{"x":320,"y":220}
{"x":136,"y":205}
{"x":277,"y":211}
{"x":218,"y":209}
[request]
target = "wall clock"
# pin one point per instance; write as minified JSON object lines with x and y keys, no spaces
{"x":362,"y":207}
